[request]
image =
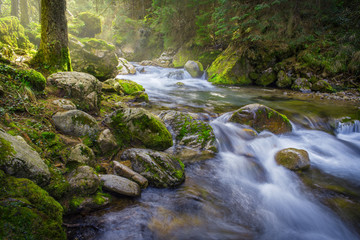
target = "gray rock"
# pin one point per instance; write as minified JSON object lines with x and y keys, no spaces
{"x":179,"y":75}
{"x":83,"y":181}
{"x":82,"y":154}
{"x":195,"y":69}
{"x":159,"y":168}
{"x":125,"y":68}
{"x":65,"y":104}
{"x":124,"y":171}
{"x":322,"y":86}
{"x":107,"y":141}
{"x":302,"y":85}
{"x":18,"y":159}
{"x":194,"y":140}
{"x":76,"y":123}
{"x":82,"y":87}
{"x":293,"y":159}
{"x":283,"y":80}
{"x":120,"y":185}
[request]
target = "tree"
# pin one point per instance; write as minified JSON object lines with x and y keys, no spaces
{"x":15,"y":8}
{"x":24,"y":17}
{"x":53,"y":51}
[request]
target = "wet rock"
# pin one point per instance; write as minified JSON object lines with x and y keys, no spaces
{"x":76,"y":123}
{"x":107,"y":141}
{"x":88,"y":204}
{"x":126,"y":172}
{"x":293,"y":159}
{"x":302,"y":85}
{"x":18,"y":159}
{"x":193,"y":139}
{"x":125,"y":68}
{"x":160,"y":169}
{"x":120,"y":185}
{"x":195,"y":68}
{"x":82,"y":154}
{"x":262,"y":118}
{"x":138,"y":126}
{"x":179,"y":75}
{"x":283,"y":80}
{"x":322,"y":86}
{"x":83,"y":181}
{"x":82,"y":87}
{"x":94,"y":56}
{"x":65,"y":104}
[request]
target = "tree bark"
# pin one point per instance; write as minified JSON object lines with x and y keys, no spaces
{"x":15,"y":8}
{"x":24,"y":16}
{"x":53,"y":52}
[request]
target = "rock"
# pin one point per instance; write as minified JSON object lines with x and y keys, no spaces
{"x":284,"y":80}
{"x":179,"y":75}
{"x":108,"y":88}
{"x":82,"y":154}
{"x":293,"y":159}
{"x":83,"y":181}
{"x":94,"y":56}
{"x":107,"y":141}
{"x":120,"y":185}
{"x":129,"y":87}
{"x":194,"y":139}
{"x":86,"y":25}
{"x":88,"y":204}
{"x":302,"y":85}
{"x":267,"y":77}
{"x":180,"y":84}
{"x":160,"y":169}
{"x":18,"y":159}
{"x":65,"y":104}
{"x":125,"y":68}
{"x":76,"y":123}
{"x":262,"y":118}
{"x":195,"y":69}
{"x":322,"y":86}
{"x":126,"y":172}
{"x":28,"y":212}
{"x":138,"y":126}
{"x":83,"y":87}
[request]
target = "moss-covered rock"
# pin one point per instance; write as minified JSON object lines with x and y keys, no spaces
{"x":12,"y":34}
{"x":302,"y":85}
{"x":125,"y":68}
{"x":262,"y":118}
{"x":94,"y":56}
{"x":129,"y":87}
{"x":195,"y":68}
{"x":283,"y":80}
{"x":28,"y":212}
{"x":322,"y":86}
{"x":293,"y":159}
{"x":139,"y":126}
{"x":159,"y":168}
{"x":35,"y":79}
{"x":82,"y":154}
{"x":81,"y":204}
{"x":83,"y":181}
{"x":267,"y":77}
{"x":107,"y":141}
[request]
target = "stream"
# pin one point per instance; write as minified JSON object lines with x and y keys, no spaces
{"x":241,"y":193}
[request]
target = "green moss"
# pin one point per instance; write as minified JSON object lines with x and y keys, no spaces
{"x":266,"y":79}
{"x":35,"y":79}
{"x":13,"y":34}
{"x":130,"y":87}
{"x":82,"y":120}
{"x":58,"y":186}
{"x":101,"y":198}
{"x":6,"y":149}
{"x":75,"y":202}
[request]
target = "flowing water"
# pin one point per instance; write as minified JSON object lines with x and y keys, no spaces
{"x":241,"y":193}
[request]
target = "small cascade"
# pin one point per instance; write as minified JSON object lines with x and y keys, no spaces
{"x":348,"y":127}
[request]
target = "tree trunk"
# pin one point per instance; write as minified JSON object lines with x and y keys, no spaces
{"x":24,"y":9}
{"x":15,"y":8}
{"x":54,"y":51}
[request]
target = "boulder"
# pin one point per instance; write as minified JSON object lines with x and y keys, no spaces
{"x":193,"y":139}
{"x":302,"y":85}
{"x":138,"y":126}
{"x":83,"y":181}
{"x":125,"y":68}
{"x":126,"y":172}
{"x":18,"y":159}
{"x":283,"y":80}
{"x":82,"y":87}
{"x":94,"y":56}
{"x":107,"y":141}
{"x":195,"y":68}
{"x":267,"y":77}
{"x":160,"y":169}
{"x":262,"y":118}
{"x":120,"y":185}
{"x":76,"y":123}
{"x":293,"y":159}
{"x":79,"y":204}
{"x":28,"y":212}
{"x":178,"y":75}
{"x":65,"y":104}
{"x":129,"y":87}
{"x":322,"y":86}
{"x":82,"y":154}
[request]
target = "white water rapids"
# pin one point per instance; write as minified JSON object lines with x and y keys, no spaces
{"x":242,"y":193}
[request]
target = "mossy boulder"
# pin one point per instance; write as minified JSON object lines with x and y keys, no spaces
{"x":82,"y":154}
{"x":76,"y":123}
{"x":129,"y":87}
{"x":119,"y":185}
{"x":231,"y":67}
{"x":267,"y":77}
{"x":35,"y":79}
{"x":12,"y":34}
{"x":322,"y":86}
{"x":302,"y":85}
{"x":85,"y":204}
{"x":28,"y":212}
{"x":107,"y":141}
{"x":262,"y":118}
{"x":159,"y":168}
{"x":125,"y":68}
{"x":195,"y":68}
{"x":18,"y":159}
{"x":138,"y":126}
{"x":84,"y":88}
{"x":65,"y":104}
{"x":194,"y":139}
{"x":94,"y":56}
{"x":293,"y":159}
{"x":83,"y":181}
{"x":283,"y":80}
